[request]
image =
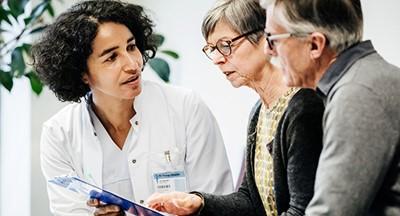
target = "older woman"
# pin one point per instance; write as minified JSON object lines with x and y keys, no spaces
{"x":125,"y":131}
{"x":284,"y":133}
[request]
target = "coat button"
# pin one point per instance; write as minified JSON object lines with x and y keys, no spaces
{"x":141,"y":201}
{"x":136,"y":123}
{"x":133,"y":161}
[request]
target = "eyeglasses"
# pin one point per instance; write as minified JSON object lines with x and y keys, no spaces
{"x":271,"y":38}
{"x":224,"y":46}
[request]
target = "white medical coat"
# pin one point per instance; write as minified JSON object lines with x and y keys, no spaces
{"x":169,"y":119}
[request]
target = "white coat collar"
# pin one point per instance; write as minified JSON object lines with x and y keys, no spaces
{"x":91,"y":149}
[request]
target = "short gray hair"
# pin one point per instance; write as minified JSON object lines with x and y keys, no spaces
{"x":341,"y":21}
{"x":242,"y":16}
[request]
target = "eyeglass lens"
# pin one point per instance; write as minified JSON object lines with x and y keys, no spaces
{"x":224,"y":46}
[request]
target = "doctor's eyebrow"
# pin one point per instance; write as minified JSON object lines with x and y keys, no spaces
{"x":115,"y":47}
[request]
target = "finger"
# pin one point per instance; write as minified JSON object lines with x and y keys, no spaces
{"x":108,"y":209}
{"x":159,"y":206}
{"x":113,"y":214}
{"x":93,"y":202}
{"x":155,"y":198}
{"x":155,"y":206}
{"x":97,"y":213}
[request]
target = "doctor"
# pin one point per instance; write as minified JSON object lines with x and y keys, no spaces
{"x":121,"y":133}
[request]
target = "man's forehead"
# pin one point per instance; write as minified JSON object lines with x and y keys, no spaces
{"x":270,"y":15}
{"x":264,"y":3}
{"x":274,"y":17}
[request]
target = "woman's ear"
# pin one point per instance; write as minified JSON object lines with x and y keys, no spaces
{"x":318,"y":44}
{"x":85,"y":78}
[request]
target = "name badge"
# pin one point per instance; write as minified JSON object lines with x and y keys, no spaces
{"x":169,"y":181}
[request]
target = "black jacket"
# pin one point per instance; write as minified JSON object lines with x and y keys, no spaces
{"x":295,"y":149}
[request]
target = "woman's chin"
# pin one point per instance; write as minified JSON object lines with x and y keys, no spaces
{"x":236,"y":84}
{"x":132,"y":93}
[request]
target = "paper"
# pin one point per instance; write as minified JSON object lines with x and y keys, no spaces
{"x":91,"y":191}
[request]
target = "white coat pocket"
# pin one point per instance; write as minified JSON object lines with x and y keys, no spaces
{"x":168,"y":171}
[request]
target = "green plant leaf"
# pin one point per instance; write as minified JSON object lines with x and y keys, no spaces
{"x":27,"y":48}
{"x":161,"y":67}
{"x":4,"y":15}
{"x":170,"y":53}
{"x":37,"y":12}
{"x":17,"y":7}
{"x":36,"y":84}
{"x":6,"y":80}
{"x":17,"y":62}
{"x":38,"y":29}
{"x":159,"y":39}
{"x":50,"y":9}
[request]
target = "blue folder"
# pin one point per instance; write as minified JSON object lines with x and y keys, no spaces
{"x":91,"y":191}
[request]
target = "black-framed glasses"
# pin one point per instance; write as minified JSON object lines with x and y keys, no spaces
{"x":224,"y":46}
{"x":273,"y":37}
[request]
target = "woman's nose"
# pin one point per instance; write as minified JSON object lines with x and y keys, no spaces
{"x":218,"y":58}
{"x":132,"y":64}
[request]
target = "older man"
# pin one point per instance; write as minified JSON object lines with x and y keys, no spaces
{"x":319,"y":45}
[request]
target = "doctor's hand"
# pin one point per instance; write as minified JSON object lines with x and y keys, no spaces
{"x":177,"y":203}
{"x":105,"y":210}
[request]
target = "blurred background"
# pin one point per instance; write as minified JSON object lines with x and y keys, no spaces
{"x":22,"y":111}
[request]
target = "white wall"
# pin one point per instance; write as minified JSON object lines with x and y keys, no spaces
{"x":180,"y":22}
{"x":15,"y":142}
{"x":43,"y":107}
{"x":381,"y":25}
{"x":15,"y":150}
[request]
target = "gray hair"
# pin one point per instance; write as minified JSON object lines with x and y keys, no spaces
{"x":242,"y":16}
{"x":341,"y":21}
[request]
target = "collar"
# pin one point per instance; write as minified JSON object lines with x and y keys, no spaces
{"x":342,"y":64}
{"x":137,"y":106}
{"x":88,"y":100}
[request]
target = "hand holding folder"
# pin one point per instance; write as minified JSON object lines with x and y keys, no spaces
{"x":91,"y":191}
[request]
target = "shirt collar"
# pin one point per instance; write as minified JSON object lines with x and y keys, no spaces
{"x":137,"y":106}
{"x":342,"y":64}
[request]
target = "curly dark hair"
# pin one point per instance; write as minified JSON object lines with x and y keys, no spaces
{"x":60,"y":56}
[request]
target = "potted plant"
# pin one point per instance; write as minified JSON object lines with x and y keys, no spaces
{"x":16,"y":26}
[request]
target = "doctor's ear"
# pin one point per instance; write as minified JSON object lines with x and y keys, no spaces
{"x":318,"y":44}
{"x":85,"y":78}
